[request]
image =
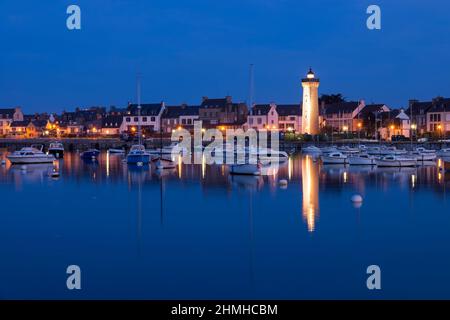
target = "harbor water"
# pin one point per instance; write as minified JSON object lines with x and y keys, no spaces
{"x":195,"y":232}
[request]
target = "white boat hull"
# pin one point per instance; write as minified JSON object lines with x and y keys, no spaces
{"x":333,"y":160}
{"x":245,"y":169}
{"x":30,"y":160}
{"x":397,"y":163}
{"x":357,"y":161}
{"x":165,"y":164}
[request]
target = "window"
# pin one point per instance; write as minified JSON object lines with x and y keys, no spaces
{"x":259,"y":120}
{"x":152,"y":119}
{"x":136,"y":119}
{"x":127,"y":119}
{"x":250,"y":120}
{"x":292,"y":118}
{"x":271,"y":113}
{"x":189,"y":121}
{"x":144,"y":119}
{"x":183,"y":121}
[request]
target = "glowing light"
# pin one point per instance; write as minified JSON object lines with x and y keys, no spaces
{"x":203,"y":130}
{"x":310,"y":189}
{"x":203,"y":166}
{"x":179,"y":166}
{"x":222,"y":128}
{"x":133,"y":129}
{"x":345,"y":128}
{"x":414,"y":126}
{"x":107,"y":164}
{"x":359,"y":125}
{"x":413,"y":180}
{"x":290,"y":168}
{"x":179,"y":128}
{"x":439,"y":127}
{"x":345,"y":176}
{"x":392,"y":127}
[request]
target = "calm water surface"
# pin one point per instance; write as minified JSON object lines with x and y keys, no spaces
{"x":197,"y":233}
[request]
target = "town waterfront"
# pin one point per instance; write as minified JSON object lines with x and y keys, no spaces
{"x":195,"y":232}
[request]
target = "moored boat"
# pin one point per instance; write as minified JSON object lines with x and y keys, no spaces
{"x":311,"y":149}
{"x":56,"y":149}
{"x":362,"y":160}
{"x":334,"y":158}
{"x":90,"y":154}
{"x":444,"y":152}
{"x":164,"y":163}
{"x":396,"y":161}
{"x":116,"y":151}
{"x":246,"y":169}
{"x":421,"y":156}
{"x":30,"y":155}
{"x":138,"y":155}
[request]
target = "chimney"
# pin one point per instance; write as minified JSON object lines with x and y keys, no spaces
{"x":204,"y":98}
{"x":229,"y":99}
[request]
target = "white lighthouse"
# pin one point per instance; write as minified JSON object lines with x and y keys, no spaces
{"x":310,"y":109}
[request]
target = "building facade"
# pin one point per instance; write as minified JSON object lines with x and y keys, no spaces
{"x":7,"y":116}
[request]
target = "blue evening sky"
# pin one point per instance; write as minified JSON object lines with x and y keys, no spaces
{"x":187,"y":49}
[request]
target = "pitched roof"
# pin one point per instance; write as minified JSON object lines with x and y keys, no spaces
{"x":289,"y":109}
{"x":342,"y":107}
{"x":39,"y":123}
{"x":440,"y":105}
{"x":16,"y":124}
{"x":373,"y":108}
{"x":260,"y":109}
{"x":147,"y":109}
{"x":177,"y":111}
{"x":9,"y":112}
{"x":215,"y":103}
{"x":112,"y":122}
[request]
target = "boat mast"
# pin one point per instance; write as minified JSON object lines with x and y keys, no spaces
{"x":138,"y":89}
{"x":250,"y":89}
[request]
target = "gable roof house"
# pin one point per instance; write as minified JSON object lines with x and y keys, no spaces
{"x":263,"y":116}
{"x":342,"y":116}
{"x":112,"y":125}
{"x":150,"y":117}
{"x":393,"y":123}
{"x":289,"y":117}
{"x":222,"y":113}
{"x":7,"y":116}
{"x":417,"y":111}
{"x":183,"y":116}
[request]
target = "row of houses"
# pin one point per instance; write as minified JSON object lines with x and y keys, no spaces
{"x":355,"y":116}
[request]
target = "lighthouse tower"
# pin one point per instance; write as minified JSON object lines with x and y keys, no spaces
{"x":310,"y":109}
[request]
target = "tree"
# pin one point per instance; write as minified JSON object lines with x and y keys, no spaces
{"x":332,"y":98}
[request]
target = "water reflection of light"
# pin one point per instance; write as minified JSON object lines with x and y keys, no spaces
{"x":345,"y":176}
{"x":203,"y":166}
{"x":310,"y":186}
{"x":290,"y":168}
{"x":179,"y":166}
{"x":439,"y":177}
{"x":107,"y":164}
{"x":413,"y":180}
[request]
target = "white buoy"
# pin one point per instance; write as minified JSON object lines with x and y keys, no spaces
{"x":357,"y":198}
{"x":140,"y":164}
{"x":283,"y":183}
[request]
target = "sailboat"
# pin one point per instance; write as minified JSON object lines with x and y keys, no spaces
{"x":161,"y":162}
{"x":137,"y":155}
